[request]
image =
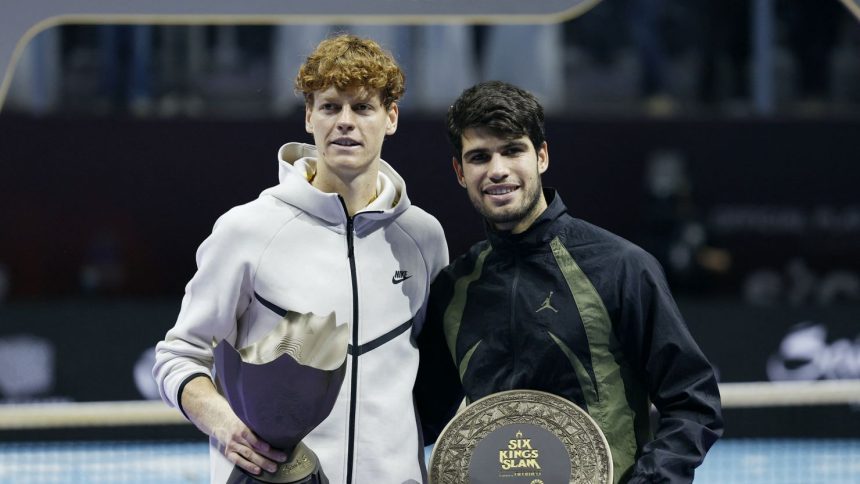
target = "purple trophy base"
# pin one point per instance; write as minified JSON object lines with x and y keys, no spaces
{"x":282,"y":400}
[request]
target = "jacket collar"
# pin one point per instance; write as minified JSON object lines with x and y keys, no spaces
{"x":538,"y":234}
{"x":296,"y":165}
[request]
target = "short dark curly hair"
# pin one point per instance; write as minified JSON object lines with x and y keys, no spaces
{"x":346,"y":61}
{"x":503,"y":108}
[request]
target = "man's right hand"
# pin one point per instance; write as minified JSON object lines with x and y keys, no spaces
{"x":211,"y":413}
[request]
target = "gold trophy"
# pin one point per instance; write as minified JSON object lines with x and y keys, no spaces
{"x":521,"y":437}
{"x":282,"y":387}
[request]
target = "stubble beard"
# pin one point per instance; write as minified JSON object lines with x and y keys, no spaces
{"x":508,"y":214}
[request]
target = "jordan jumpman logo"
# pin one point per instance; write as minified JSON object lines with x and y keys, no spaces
{"x":546,"y":304}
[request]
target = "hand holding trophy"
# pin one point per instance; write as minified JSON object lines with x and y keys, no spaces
{"x":283,"y":386}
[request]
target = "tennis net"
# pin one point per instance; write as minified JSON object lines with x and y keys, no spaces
{"x":786,"y":433}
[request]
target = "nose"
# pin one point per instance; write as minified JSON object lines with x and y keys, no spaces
{"x":346,"y":119}
{"x":498,"y":168}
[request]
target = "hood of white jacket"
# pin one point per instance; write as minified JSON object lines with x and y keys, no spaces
{"x":297,"y":164}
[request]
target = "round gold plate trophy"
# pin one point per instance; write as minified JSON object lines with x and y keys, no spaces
{"x":521,"y":437}
{"x":282,"y":387}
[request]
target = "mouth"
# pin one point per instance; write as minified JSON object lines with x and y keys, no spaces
{"x":500,"y":190}
{"x":345,"y":142}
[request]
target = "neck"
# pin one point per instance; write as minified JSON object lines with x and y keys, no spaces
{"x":357,"y":191}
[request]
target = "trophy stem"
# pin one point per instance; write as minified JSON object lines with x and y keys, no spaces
{"x":302,"y":467}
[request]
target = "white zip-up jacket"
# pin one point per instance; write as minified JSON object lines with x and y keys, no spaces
{"x":295,"y":249}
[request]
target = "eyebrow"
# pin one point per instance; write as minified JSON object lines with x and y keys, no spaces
{"x":514,"y":144}
{"x":506,"y":146}
{"x":475,"y":152}
{"x":360,"y":97}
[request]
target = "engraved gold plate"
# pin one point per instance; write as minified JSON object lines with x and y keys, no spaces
{"x":521,"y":436}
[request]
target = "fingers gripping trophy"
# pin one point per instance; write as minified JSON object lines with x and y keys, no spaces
{"x":282,"y":387}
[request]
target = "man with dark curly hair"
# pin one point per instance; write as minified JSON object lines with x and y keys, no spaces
{"x":553,"y":303}
{"x":337,"y":236}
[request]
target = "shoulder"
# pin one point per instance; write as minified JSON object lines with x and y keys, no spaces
{"x":463,"y":268}
{"x":578,"y":233}
{"x":259,"y":219}
{"x":426,"y":231}
{"x":427,"y":234}
{"x":467,"y":263}
{"x":596,"y":249}
{"x":420,"y":225}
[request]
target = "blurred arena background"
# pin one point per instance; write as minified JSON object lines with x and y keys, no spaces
{"x":722,"y":136}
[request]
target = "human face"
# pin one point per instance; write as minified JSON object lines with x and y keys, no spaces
{"x":502,"y":178}
{"x":349,"y":127}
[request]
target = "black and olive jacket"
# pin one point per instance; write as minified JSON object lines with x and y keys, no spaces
{"x":571,"y":309}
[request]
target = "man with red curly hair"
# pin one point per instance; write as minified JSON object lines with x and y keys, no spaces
{"x":339,"y":236}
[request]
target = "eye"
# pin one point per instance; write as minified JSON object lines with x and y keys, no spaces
{"x":477,"y":158}
{"x":512,"y":151}
{"x":327,"y":107}
{"x":363,"y":107}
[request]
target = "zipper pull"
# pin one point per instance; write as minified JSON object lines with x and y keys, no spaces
{"x":349,"y":228}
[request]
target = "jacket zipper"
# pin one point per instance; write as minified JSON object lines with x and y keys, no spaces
{"x":353,"y":390}
{"x":515,"y":356}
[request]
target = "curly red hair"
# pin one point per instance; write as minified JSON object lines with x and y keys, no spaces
{"x":347,"y":61}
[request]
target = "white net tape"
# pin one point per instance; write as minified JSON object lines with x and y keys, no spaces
{"x":734,"y":395}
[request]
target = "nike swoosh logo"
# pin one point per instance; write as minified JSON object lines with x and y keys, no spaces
{"x":397,"y":279}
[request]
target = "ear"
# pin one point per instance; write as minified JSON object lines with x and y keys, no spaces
{"x":458,"y":170}
{"x":391,"y":124}
{"x":543,"y":158}
{"x":309,"y":127}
